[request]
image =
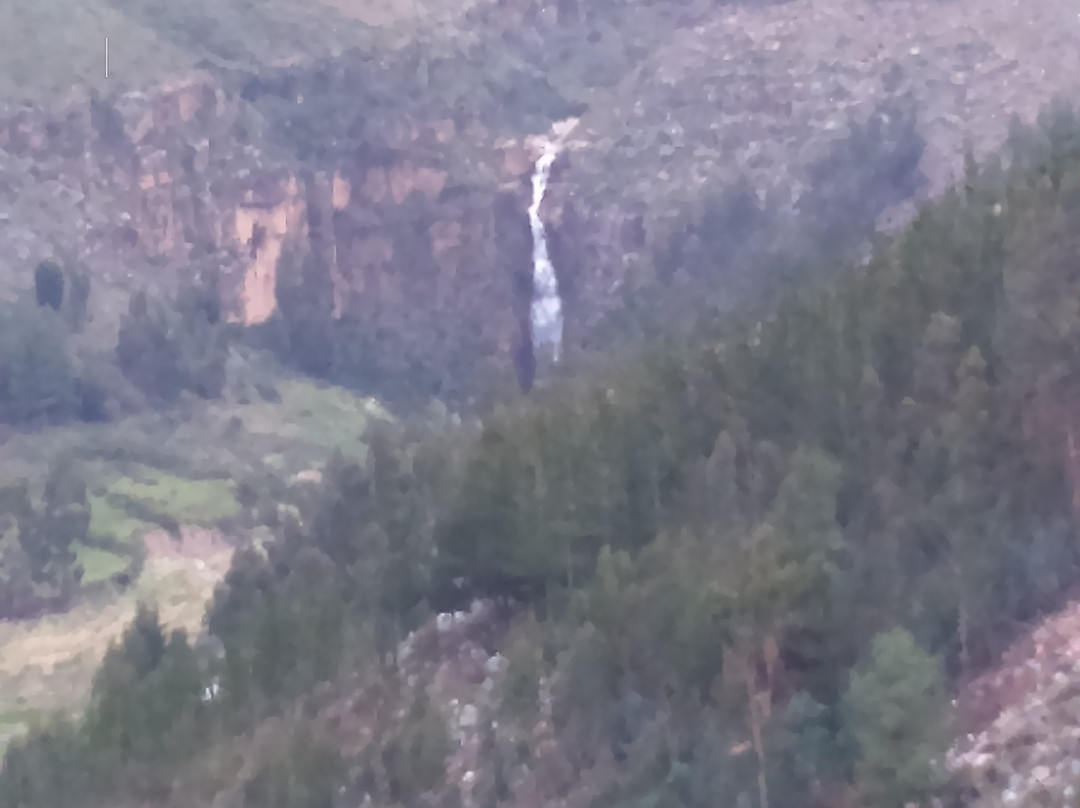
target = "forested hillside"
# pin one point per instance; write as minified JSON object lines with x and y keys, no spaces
{"x":742,"y":565}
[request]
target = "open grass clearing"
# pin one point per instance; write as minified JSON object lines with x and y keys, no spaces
{"x":184,"y":500}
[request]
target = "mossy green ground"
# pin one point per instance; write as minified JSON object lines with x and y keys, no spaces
{"x":112,"y":524}
{"x":197,"y":502}
{"x":318,"y":416}
{"x":184,"y":465}
{"x":99,"y":565}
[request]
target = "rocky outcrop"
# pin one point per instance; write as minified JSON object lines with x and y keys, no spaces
{"x":141,"y":187}
{"x":1022,"y":748}
{"x":767,"y":92}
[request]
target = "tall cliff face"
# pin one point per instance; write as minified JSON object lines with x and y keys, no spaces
{"x":715,"y":141}
{"x":411,"y":231}
{"x":144,"y":187}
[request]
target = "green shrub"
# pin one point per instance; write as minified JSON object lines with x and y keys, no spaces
{"x":896,"y":709}
{"x":37,"y":380}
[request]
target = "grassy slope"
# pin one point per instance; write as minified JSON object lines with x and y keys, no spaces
{"x":171,"y":468}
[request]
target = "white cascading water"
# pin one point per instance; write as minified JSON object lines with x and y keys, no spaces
{"x":546,"y":313}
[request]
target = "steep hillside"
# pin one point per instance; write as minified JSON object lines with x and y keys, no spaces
{"x":751,"y":563}
{"x":46,"y":49}
{"x":744,"y":559}
{"x":1019,"y":741}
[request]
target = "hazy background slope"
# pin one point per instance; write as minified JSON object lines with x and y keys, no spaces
{"x":45,"y":48}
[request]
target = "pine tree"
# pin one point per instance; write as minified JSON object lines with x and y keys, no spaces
{"x":966,"y":507}
{"x":781,"y":581}
{"x":896,"y":710}
{"x":171,"y":698}
{"x":316,"y":610}
{"x":143,"y":646}
{"x":63,"y":521}
{"x":37,"y":380}
{"x":712,"y":497}
{"x":17,"y":595}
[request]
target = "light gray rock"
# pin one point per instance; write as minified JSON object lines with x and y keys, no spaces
{"x":469,"y":717}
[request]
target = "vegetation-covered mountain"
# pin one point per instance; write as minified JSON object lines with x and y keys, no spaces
{"x":743,"y":549}
{"x":744,"y":563}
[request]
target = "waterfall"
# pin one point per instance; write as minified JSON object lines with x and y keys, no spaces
{"x":546,"y":312}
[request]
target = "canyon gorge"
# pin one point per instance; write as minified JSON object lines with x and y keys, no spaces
{"x":391,"y":187}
